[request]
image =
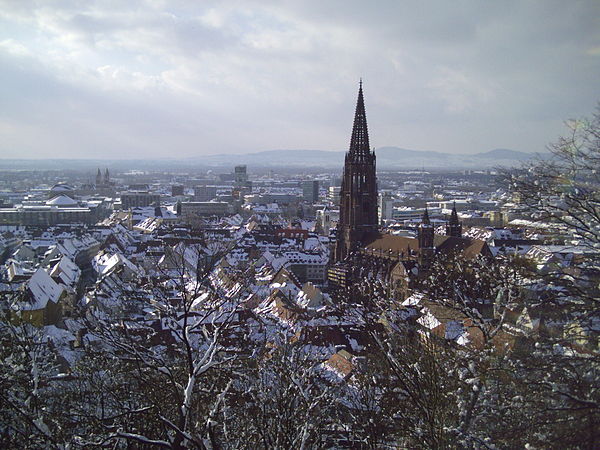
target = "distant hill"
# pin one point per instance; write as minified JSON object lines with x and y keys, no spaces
{"x":278,"y":158}
{"x":504,"y":153}
{"x":388,"y":158}
{"x":397,"y":157}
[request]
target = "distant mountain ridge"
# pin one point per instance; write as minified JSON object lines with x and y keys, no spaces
{"x":387,"y":157}
{"x":504,"y":153}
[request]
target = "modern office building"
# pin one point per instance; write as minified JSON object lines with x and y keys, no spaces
{"x":310,"y":191}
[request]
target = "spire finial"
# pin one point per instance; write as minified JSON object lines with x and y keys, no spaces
{"x":360,"y":83}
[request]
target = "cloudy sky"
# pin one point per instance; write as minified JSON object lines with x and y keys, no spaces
{"x":131,"y":79}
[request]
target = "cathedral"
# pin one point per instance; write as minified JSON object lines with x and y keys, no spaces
{"x":358,"y":194}
{"x":100,"y":182}
{"x":360,"y":248}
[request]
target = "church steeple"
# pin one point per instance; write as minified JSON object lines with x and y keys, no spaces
{"x":454,"y":214}
{"x":358,"y":196}
{"x":425,"y":236}
{"x":425,"y":219}
{"x":359,"y":142}
{"x":454,"y":227}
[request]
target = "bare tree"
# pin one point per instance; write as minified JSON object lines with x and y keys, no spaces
{"x":434,"y":392}
{"x":563,"y":192}
{"x":170,"y":361}
{"x":28,"y":414}
{"x":280,"y":401}
{"x":480,"y":289}
{"x":562,"y":370}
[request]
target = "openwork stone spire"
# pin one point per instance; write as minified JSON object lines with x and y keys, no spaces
{"x":358,"y":196}
{"x":359,"y":142}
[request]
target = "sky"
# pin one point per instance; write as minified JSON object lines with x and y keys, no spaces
{"x":177,"y":79}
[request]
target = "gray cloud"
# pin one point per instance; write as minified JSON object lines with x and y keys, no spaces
{"x":188,"y":78}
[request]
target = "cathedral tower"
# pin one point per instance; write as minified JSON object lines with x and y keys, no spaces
{"x":358,"y":195}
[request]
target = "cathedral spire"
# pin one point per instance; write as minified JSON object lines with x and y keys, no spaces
{"x":359,"y":142}
{"x":358,"y":195}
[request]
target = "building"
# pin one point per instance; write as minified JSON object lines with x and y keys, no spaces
{"x":46,"y":215}
{"x":326,"y":218}
{"x":426,"y":246}
{"x":385,"y":207}
{"x":177,"y":190}
{"x":310,"y":191}
{"x":307,"y":266}
{"x":137,"y":199}
{"x":226,"y":177}
{"x":240,"y":176}
{"x":400,"y":258}
{"x":205,"y":193}
{"x":454,"y":227}
{"x":61,"y":189}
{"x":407,"y":214}
{"x":358,"y":196}
{"x":195,"y":209}
{"x":340,"y":275}
{"x":272,"y":197}
{"x":61,"y":209}
{"x":361,"y":250}
{"x":333,"y":194}
{"x":103,"y":181}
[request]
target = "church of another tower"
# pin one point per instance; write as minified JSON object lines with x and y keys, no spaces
{"x":361,"y":250}
{"x":358,"y":195}
{"x":454,"y":227}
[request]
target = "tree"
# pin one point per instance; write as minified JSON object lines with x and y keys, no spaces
{"x":280,"y":400}
{"x":562,"y":371}
{"x":168,"y":363}
{"x":31,"y":413}
{"x":418,"y":391}
{"x":26,"y":368}
{"x":563,"y":191}
{"x":480,"y":288}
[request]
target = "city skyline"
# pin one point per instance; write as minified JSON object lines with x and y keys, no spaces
{"x":166,"y":79}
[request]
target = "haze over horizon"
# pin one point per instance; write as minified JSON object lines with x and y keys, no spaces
{"x":169,"y":79}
